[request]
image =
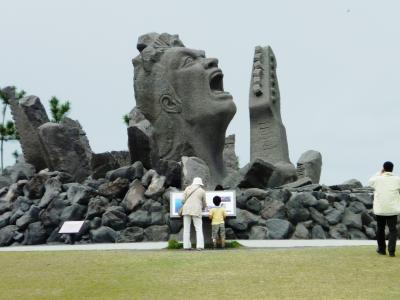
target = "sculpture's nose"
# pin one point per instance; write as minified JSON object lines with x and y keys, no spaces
{"x":210,"y":63}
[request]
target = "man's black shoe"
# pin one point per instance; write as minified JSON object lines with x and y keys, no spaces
{"x":381,"y":252}
{"x":392,"y":255}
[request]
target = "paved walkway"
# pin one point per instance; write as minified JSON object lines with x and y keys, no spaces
{"x":163,"y":245}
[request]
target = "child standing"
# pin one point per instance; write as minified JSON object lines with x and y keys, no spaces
{"x":217,"y":216}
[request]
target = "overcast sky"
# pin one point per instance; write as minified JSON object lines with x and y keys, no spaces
{"x":338,"y":67}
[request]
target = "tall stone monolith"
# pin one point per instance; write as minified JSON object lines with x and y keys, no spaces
{"x":267,"y":133}
{"x":28,"y":114}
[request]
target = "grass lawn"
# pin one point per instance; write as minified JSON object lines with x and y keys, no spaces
{"x":308,"y":273}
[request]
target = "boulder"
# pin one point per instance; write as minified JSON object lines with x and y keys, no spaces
{"x":101,"y":163}
{"x":52,"y":190}
{"x":352,"y":220}
{"x":322,"y":205}
{"x":318,"y":233}
{"x":5,"y":219}
{"x":114,"y":189}
{"x":156,"y":187}
{"x":28,"y":114}
{"x":172,"y":171}
{"x":67,"y":148}
{"x":131,"y":235}
{"x":134,"y":196}
{"x":309,"y":165}
{"x":244,"y":219}
{"x":295,"y":210}
{"x":140,"y":140}
{"x":114,"y":217}
{"x":258,"y":233}
{"x":338,"y":231}
{"x":75,"y":212}
{"x":282,"y":195}
{"x":365,"y":198}
{"x":357,"y":207}
{"x":254,"y":205}
{"x":80,"y":194}
{"x":353,"y":183}
{"x":355,"y":234}
{"x":255,"y":192}
{"x":194,"y":167}
{"x":29,"y":217}
{"x":19,"y":171}
{"x":139,"y":218}
{"x":103,"y":234}
{"x":298,"y":183}
{"x":277,"y":229}
{"x":96,"y":207}
{"x":5,"y":206}
{"x":256,"y":174}
{"x":156,"y":233}
{"x":319,"y":218}
{"x":134,"y":171}
{"x":7,"y":235}
{"x":35,"y":234}
{"x":301,"y":232}
{"x":273,"y":209}
{"x":334,"y":216}
{"x":35,"y":187}
{"x":284,"y":173}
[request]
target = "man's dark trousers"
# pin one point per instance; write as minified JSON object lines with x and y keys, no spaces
{"x":391,"y":222}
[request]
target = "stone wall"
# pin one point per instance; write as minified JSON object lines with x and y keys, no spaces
{"x":131,"y":204}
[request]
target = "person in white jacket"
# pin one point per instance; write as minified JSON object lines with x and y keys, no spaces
{"x":386,"y":206}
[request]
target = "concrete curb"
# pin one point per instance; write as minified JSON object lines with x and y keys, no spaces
{"x":162,"y":245}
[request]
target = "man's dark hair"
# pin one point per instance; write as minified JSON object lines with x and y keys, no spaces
{"x":217,"y":200}
{"x":388,"y":166}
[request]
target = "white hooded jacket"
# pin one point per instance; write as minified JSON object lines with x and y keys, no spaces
{"x":386,"y":194}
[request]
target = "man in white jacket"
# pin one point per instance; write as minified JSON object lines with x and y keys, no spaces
{"x":386,"y":206}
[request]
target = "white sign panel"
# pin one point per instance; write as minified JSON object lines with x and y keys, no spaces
{"x":71,"y":227}
{"x":228,"y":201}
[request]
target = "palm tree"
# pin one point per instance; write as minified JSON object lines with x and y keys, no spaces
{"x":126,"y":119}
{"x":8,"y":131}
{"x":58,"y":110}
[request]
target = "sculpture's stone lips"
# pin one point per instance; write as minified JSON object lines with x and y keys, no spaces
{"x":217,"y":83}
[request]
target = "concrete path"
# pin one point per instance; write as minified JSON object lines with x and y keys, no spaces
{"x":163,"y":245}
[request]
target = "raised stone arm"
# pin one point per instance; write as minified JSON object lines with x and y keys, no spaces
{"x":268,"y":135}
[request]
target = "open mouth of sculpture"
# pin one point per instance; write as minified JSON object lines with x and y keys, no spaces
{"x":217,"y":83}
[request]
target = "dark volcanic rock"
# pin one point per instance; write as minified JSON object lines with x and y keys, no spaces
{"x":75,"y":212}
{"x":254,"y":205}
{"x":114,"y":217}
{"x":134,"y":196}
{"x":101,"y":163}
{"x":35,"y":234}
{"x":243,"y":220}
{"x":115,"y":189}
{"x":139,"y":218}
{"x":277,"y":228}
{"x":258,"y":233}
{"x":338,"y":231}
{"x":156,"y":233}
{"x":96,"y":207}
{"x":301,"y":232}
{"x":7,"y":235}
{"x":256,"y":174}
{"x":134,"y":171}
{"x":103,"y":234}
{"x":318,"y":232}
{"x":80,"y":194}
{"x":273,"y":209}
{"x":131,"y":235}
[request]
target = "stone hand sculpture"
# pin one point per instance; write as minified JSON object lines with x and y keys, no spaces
{"x":180,"y":92}
{"x":267,"y":133}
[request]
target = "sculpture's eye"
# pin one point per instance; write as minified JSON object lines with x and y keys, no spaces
{"x":188,"y":60}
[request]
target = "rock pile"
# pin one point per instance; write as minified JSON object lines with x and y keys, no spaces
{"x":131,"y":204}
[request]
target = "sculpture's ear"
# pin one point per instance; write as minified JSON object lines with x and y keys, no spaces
{"x":170,"y":104}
